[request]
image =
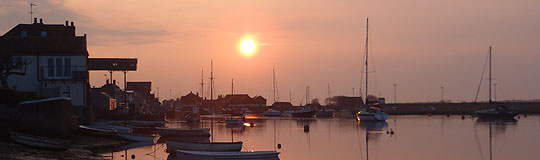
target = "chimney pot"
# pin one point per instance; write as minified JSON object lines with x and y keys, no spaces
{"x":67,"y":23}
{"x":72,"y":24}
{"x":107,"y":81}
{"x":35,"y":20}
{"x":41,"y":21}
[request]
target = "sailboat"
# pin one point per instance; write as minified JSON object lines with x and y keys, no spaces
{"x":500,"y":111}
{"x":370,"y":112}
{"x":271,"y":112}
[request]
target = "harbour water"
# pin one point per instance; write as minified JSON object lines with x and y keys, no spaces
{"x":415,"y":137}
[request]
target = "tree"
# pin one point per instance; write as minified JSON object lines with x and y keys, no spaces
{"x":315,"y":101}
{"x":11,"y":65}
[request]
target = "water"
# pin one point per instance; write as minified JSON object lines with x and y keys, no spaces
{"x":416,"y":137}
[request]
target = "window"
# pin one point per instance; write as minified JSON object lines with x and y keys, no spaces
{"x":50,"y":67}
{"x":24,"y":33}
{"x":43,"y":33}
{"x":67,"y":67}
{"x":59,"y":68}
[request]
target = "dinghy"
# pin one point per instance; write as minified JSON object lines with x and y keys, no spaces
{"x":183,"y":131}
{"x":38,"y":142}
{"x":136,"y":137}
{"x":89,"y":130}
{"x":204,"y":155}
{"x":204,"y":146}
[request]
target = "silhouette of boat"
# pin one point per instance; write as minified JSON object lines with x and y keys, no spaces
{"x":173,"y":132}
{"x":38,"y":141}
{"x":271,"y":113}
{"x":173,"y":146}
{"x":266,"y":155}
{"x":305,"y":112}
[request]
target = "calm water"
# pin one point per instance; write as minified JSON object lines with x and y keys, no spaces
{"x":416,"y":137}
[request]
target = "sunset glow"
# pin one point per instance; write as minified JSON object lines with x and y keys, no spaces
{"x":248,"y":47}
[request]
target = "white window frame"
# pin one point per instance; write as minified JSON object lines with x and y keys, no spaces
{"x":55,"y":68}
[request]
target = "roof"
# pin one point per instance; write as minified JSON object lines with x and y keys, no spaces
{"x":145,"y":87}
{"x":60,"y":40}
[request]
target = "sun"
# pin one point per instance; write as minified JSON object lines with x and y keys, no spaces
{"x":248,"y":46}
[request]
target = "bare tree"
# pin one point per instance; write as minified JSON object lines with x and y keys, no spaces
{"x":12,"y":65}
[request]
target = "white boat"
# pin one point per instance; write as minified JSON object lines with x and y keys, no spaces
{"x":90,"y":130}
{"x":38,"y":142}
{"x":204,"y":155}
{"x":119,"y":129}
{"x":372,"y":113}
{"x":172,"y":146}
{"x":272,"y":112}
{"x":135,"y":137}
{"x":183,"y":131}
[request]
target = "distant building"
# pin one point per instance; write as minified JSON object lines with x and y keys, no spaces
{"x":190,"y":103}
{"x":345,"y":102}
{"x":143,"y":101}
{"x":56,"y":60}
{"x":101,"y":101}
{"x":241,"y":103}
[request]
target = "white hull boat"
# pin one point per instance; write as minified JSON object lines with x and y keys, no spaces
{"x":135,"y":137}
{"x":372,"y":113}
{"x":172,"y":146}
{"x":38,"y":142}
{"x":172,"y":132}
{"x":272,"y":113}
{"x":203,"y":155}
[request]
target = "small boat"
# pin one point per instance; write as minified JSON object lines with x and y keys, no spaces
{"x":272,"y":112}
{"x":118,"y":128}
{"x":325,"y":113}
{"x":172,"y":132}
{"x":266,"y":155}
{"x":136,"y":137}
{"x":372,"y":113}
{"x":234,"y":121}
{"x":303,"y":113}
{"x":97,"y":131}
{"x":193,"y":117}
{"x":498,"y":112}
{"x":38,"y":142}
{"x":172,"y":146}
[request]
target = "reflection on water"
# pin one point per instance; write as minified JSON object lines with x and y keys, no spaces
{"x":416,"y":137}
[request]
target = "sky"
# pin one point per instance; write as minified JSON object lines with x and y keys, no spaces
{"x":420,"y":45}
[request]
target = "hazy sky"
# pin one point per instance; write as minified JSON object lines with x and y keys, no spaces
{"x":420,"y":45}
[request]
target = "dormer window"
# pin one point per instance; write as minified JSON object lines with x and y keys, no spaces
{"x":43,"y":33}
{"x":24,"y":33}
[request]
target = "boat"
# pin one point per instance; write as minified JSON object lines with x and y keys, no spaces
{"x":38,"y":141}
{"x":118,"y":128}
{"x":325,"y":113}
{"x":305,"y":112}
{"x":136,"y":137}
{"x":172,"y":146}
{"x":234,"y":121}
{"x":272,"y":112}
{"x":266,"y":155}
{"x":89,"y":130}
{"x":193,"y":117}
{"x":500,"y":111}
{"x":370,"y":112}
{"x":172,"y":132}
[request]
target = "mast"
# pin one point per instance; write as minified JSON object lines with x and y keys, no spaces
{"x":274,"y":83}
{"x":232,"y":86}
{"x":490,"y":74}
{"x":212,"y":95}
{"x":367,"y":35}
{"x":202,"y":83}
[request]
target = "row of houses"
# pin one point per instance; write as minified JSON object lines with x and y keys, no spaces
{"x":230,"y":103}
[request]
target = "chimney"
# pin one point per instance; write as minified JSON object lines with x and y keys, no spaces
{"x":107,"y":81}
{"x":113,"y":81}
{"x":41,"y":21}
{"x":67,"y":24}
{"x":35,"y":20}
{"x":72,"y":24}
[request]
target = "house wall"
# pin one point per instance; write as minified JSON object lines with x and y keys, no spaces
{"x":36,"y":81}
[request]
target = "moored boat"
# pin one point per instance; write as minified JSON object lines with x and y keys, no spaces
{"x":372,"y":113}
{"x":118,"y":128}
{"x":183,"y":131}
{"x":136,"y":137}
{"x":172,"y":146}
{"x":325,"y":113}
{"x":303,"y":113}
{"x":193,"y":117}
{"x":498,"y":112}
{"x":97,"y":131}
{"x":38,"y":141}
{"x":234,"y":121}
{"x":272,"y":112}
{"x":266,"y":155}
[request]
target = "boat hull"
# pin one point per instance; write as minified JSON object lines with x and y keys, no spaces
{"x":307,"y":114}
{"x":88,"y":130}
{"x":325,"y":114}
{"x":233,"y":122}
{"x":38,"y":142}
{"x":172,"y":132}
{"x":138,"y":138}
{"x":272,"y":114}
{"x":496,"y":115}
{"x":372,"y":117}
{"x":202,"y":155}
{"x":172,"y":146}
